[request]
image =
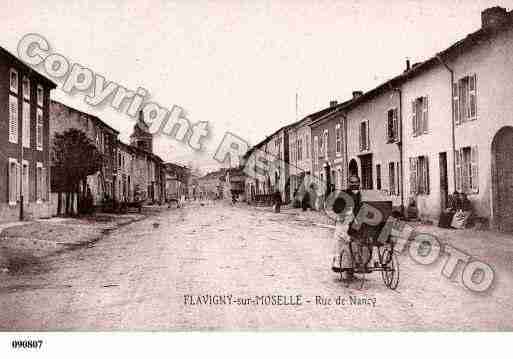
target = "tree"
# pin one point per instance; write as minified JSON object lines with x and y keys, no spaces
{"x":74,"y":158}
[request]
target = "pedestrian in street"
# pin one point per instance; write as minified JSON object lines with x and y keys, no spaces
{"x":342,"y":259}
{"x":277,"y":201}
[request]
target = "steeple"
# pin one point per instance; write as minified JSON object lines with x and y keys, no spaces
{"x":141,"y":137}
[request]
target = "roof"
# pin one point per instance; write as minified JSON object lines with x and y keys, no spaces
{"x":455,"y":49}
{"x":20,"y":63}
{"x":97,"y":119}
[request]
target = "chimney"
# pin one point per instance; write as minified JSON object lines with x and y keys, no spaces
{"x":357,"y":94}
{"x":408,"y":65}
{"x":493,"y":17}
{"x":333,"y":103}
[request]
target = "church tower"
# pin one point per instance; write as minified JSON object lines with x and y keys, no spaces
{"x":141,"y":137}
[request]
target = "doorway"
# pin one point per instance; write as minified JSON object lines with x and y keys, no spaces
{"x":444,"y":183}
{"x":502,"y":179}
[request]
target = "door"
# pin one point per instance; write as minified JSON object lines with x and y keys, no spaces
{"x":502,"y":148}
{"x":444,"y":185}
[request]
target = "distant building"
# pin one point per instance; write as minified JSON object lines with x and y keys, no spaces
{"x":103,"y":183}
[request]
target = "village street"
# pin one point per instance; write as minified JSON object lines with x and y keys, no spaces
{"x":146,"y":276}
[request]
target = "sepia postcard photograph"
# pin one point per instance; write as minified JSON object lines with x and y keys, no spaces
{"x":242,"y":166}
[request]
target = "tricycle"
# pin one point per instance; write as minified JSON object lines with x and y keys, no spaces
{"x":365,"y":247}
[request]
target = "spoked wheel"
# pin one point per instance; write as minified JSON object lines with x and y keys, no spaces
{"x":390,"y":273}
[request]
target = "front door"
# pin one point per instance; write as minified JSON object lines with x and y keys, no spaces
{"x":502,"y":148}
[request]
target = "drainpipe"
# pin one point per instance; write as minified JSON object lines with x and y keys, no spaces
{"x":451,"y":71}
{"x":346,"y":162}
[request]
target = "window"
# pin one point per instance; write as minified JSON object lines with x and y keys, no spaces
{"x":338,"y":139}
{"x":420,"y":116}
{"x":307,"y":153}
{"x":26,"y":88}
{"x":321,"y":145}
{"x":315,"y":156}
{"x":39,"y":129}
{"x":467,"y":170}
{"x":39,"y":182}
{"x":366,"y":162}
{"x":391,"y":178}
{"x":419,"y":175}
{"x":464,"y":95}
{"x":14,"y":180}
{"x":339,"y":183}
{"x":378,"y":177}
{"x":364,"y":136}
{"x":25,"y":181}
{"x":26,"y":125}
{"x":13,"y":81}
{"x":40,"y":95}
{"x":326,"y":143}
{"x":392,"y":126}
{"x":13,"y":119}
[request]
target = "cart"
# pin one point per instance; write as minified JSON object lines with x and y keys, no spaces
{"x":369,"y":255}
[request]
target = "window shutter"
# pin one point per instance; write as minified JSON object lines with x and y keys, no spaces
{"x":457,"y":160}
{"x":26,"y":125}
{"x":413,"y":175}
{"x":361,"y":136}
{"x":396,"y":125}
{"x":39,"y":129}
{"x":13,"y":119}
{"x":426,"y":175}
{"x":473,"y":96}
{"x":367,"y":144}
{"x":387,"y":128}
{"x":463,"y":93}
{"x":425,"y":126}
{"x":474,"y":169}
{"x":413,"y":119}
{"x":456,"y":103}
{"x":398,"y":178}
{"x":11,"y":178}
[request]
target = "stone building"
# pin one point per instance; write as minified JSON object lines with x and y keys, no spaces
{"x":103,"y":183}
{"x":24,"y":140}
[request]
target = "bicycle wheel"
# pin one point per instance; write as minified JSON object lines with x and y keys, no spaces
{"x":390,"y":264}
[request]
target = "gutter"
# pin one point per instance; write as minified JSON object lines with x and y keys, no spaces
{"x":451,"y":71}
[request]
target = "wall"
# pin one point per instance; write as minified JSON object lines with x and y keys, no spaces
{"x":375,"y":111}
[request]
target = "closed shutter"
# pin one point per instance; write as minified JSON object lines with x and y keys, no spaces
{"x":39,"y":129}
{"x":11,"y":172}
{"x":456,"y":103}
{"x":426,"y":175}
{"x":398,"y":178}
{"x":474,"y":170}
{"x":396,"y":125}
{"x":367,"y":136}
{"x":425,"y":106}
{"x":463,"y":93}
{"x":457,"y":160}
{"x":413,"y":119}
{"x":13,"y":119}
{"x":473,"y":96}
{"x":413,"y":175}
{"x":26,"y":125}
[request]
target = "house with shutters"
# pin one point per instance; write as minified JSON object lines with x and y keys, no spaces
{"x":24,"y":140}
{"x":458,"y":123}
{"x":300,"y":149}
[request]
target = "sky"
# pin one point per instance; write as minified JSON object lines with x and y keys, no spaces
{"x":239,"y":64}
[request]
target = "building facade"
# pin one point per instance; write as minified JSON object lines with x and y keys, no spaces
{"x":24,"y":140}
{"x":458,"y":123}
{"x":103,"y":184}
